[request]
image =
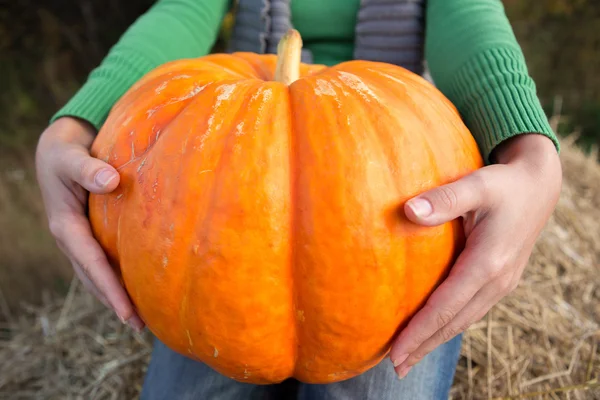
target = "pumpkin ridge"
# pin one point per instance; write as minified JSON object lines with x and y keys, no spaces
{"x":264,"y":236}
{"x":382,"y":107}
{"x":146,"y":86}
{"x":262,"y":73}
{"x":114,"y":119}
{"x":191,"y":213}
{"x":209,"y":60}
{"x":397,"y":211}
{"x":424,"y":136}
{"x":153,"y":143}
{"x":372,"y":122}
{"x":135,"y":161}
{"x":222,"y":154}
{"x":433,"y":149}
{"x":294,"y":215}
{"x":383,"y":112}
{"x":367,"y":75}
{"x":204,"y":225}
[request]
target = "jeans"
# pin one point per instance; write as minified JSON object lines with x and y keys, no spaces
{"x":172,"y":376}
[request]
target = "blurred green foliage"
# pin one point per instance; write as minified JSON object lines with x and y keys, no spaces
{"x":48,"y":47}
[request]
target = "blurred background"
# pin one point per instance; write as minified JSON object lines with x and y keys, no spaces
{"x":541,"y":342}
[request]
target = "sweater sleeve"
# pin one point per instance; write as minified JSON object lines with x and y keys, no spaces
{"x":475,"y":60}
{"x":169,"y":30}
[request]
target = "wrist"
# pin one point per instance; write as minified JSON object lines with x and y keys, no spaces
{"x":70,"y":130}
{"x":530,"y":147}
{"x":536,"y":154}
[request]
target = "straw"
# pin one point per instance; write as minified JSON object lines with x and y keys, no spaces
{"x":541,"y":342}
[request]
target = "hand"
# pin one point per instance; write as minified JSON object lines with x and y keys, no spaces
{"x":66,"y":172}
{"x":504,"y":208}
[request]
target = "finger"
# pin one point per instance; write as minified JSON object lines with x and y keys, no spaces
{"x":81,"y":247}
{"x":92,"y":174}
{"x":479,"y":305}
{"x":474,"y":268}
{"x":83,"y":278}
{"x":134,"y":321}
{"x":447,"y":202}
{"x":87,"y":283}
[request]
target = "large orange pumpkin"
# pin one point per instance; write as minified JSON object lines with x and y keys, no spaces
{"x":258,"y":225}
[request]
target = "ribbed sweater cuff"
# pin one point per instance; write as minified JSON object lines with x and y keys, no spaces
{"x":104,"y":88}
{"x":497,"y":106}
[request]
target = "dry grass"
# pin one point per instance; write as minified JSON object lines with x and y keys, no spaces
{"x":544,"y":337}
{"x":542,"y":342}
{"x":70,"y":348}
{"x":30,"y":262}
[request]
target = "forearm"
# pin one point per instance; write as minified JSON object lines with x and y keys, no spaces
{"x":476,"y":61}
{"x":170,"y":30}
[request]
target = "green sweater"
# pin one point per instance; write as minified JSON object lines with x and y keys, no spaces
{"x":470,"y":49}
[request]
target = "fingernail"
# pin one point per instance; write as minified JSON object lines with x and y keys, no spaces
{"x":135,"y":323}
{"x":403,"y":372}
{"x":421,"y":207}
{"x":104,"y":177}
{"x":400,"y":359}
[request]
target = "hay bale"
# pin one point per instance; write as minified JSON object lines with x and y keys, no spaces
{"x":71,"y":348}
{"x":541,"y":342}
{"x":544,"y":337}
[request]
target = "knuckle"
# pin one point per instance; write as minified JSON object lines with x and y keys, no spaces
{"x":417,"y":340}
{"x":481,"y":186}
{"x":89,"y":266}
{"x":443,"y":317}
{"x":65,"y":160}
{"x":505,"y":286}
{"x":449,"y":332}
{"x":447,"y":197}
{"x":85,"y":170}
{"x":465,"y":325}
{"x":82,"y":275}
{"x":88,"y":283}
{"x":56,"y":227}
{"x":85,"y":268}
{"x":418,"y":355}
{"x":495,"y":267}
{"x":76,"y":166}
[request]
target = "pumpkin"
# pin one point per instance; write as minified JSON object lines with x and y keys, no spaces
{"x":258,"y":226}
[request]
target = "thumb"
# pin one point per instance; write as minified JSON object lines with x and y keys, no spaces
{"x":446,"y":202}
{"x":92,"y":174}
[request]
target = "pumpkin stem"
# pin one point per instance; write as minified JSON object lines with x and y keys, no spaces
{"x":288,"y":57}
